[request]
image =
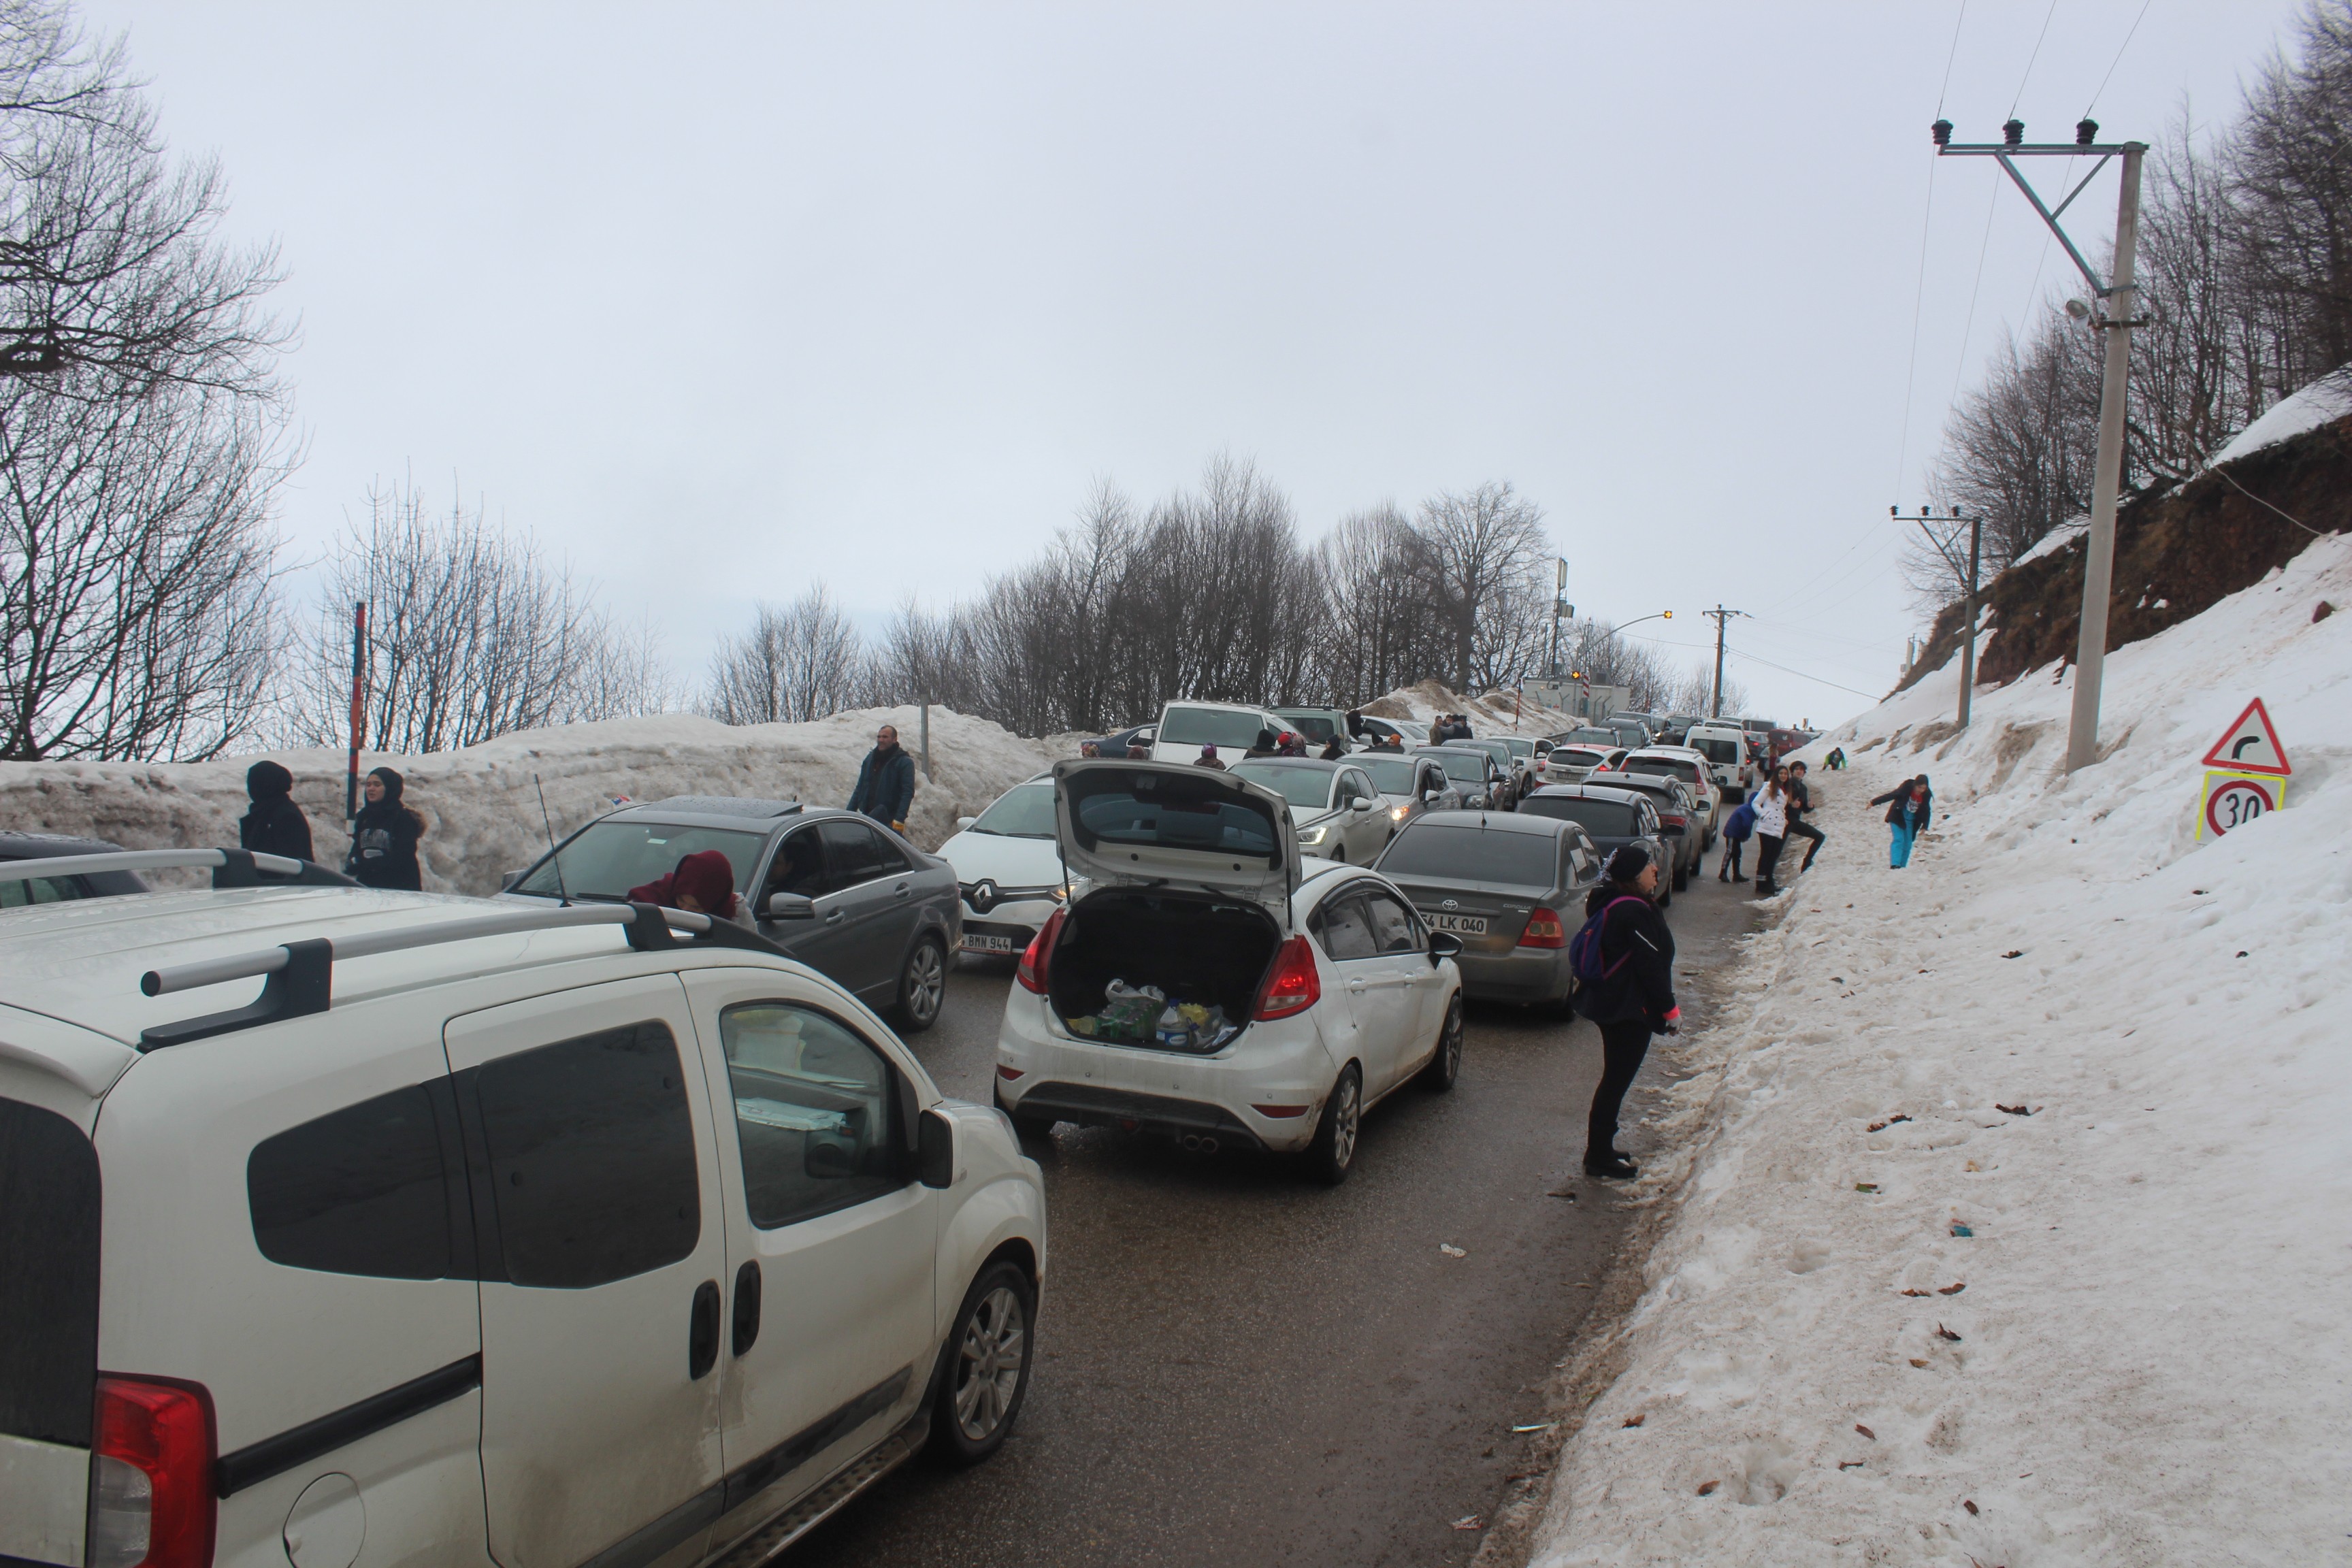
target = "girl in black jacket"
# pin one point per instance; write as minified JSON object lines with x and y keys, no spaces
{"x":1909,"y":805}
{"x":384,"y":836}
{"x":275,"y":826}
{"x":1637,"y":998}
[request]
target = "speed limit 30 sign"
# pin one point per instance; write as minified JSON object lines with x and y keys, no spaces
{"x":2232,"y":800}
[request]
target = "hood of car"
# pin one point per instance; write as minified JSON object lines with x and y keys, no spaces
{"x":1006,"y":861}
{"x":1158,"y":824}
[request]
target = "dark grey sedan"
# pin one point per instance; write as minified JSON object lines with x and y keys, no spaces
{"x":846,"y":897}
{"x":1615,"y":818}
{"x":15,"y":846}
{"x":1510,"y":888}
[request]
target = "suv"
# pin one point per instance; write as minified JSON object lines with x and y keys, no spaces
{"x":462,"y":1231}
{"x":1231,"y":727}
{"x":1317,"y":725}
{"x":834,"y":889}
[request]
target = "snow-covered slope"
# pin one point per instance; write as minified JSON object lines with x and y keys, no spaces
{"x":2327,"y":399}
{"x":482,"y":804}
{"x":2013,"y":1200}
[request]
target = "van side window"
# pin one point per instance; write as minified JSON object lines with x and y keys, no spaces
{"x":814,"y":1113}
{"x":592,"y":1157}
{"x":358,"y":1191}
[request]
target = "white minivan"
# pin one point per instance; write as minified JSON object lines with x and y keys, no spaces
{"x":1725,"y":747}
{"x":1232,"y":727}
{"x":481,"y":1234}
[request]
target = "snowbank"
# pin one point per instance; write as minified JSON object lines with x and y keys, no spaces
{"x":1496,"y":713}
{"x":2328,"y":398}
{"x":2013,"y":1202}
{"x":481,"y":806}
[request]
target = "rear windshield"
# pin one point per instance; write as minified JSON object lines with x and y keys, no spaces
{"x":1602,"y":737}
{"x":1602,"y":818}
{"x":1309,"y":788}
{"x":49,"y":1277}
{"x":1390,"y":775}
{"x":1468,"y":766}
{"x":1673,"y":767}
{"x":605,"y":859}
{"x":1168,"y":810}
{"x":1716,"y":750}
{"x":1210,"y":727}
{"x":1447,"y":853}
{"x":1025,"y":811}
{"x":1578,"y":757}
{"x":1314,"y":726}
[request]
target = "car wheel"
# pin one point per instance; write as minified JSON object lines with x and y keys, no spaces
{"x":1446,"y":1065}
{"x":1682,"y":878}
{"x":922,"y":986}
{"x":986,"y":1374}
{"x":1333,"y":1153}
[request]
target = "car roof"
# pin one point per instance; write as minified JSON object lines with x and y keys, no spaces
{"x":1490,"y":821}
{"x":17,"y":845}
{"x":722,"y":810}
{"x":1622,"y":794}
{"x":1223,"y":707}
{"x":1315,"y":764}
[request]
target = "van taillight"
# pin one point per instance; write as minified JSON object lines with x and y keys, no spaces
{"x":1294,"y":987}
{"x":1034,"y":959}
{"x":150,"y":1479}
{"x":1544,"y":930}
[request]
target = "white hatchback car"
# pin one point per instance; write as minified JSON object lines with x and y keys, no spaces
{"x":1008,"y":871}
{"x":481,"y":1236}
{"x":1323,"y":989}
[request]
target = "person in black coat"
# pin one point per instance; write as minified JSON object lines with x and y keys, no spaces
{"x":1635,"y":1000}
{"x":886,"y":782}
{"x":1909,"y":806}
{"x":274,"y":824}
{"x":384,"y":836}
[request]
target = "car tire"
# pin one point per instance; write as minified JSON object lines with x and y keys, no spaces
{"x":922,"y":986}
{"x":1333,"y":1153}
{"x":984,"y":1366}
{"x":1682,"y":878}
{"x":1446,"y":1065}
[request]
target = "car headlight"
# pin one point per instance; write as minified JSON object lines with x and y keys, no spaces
{"x":1314,"y":835}
{"x":1399,"y":813}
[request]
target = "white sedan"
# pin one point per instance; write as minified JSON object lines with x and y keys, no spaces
{"x":1207,"y":984}
{"x":1007,"y":870}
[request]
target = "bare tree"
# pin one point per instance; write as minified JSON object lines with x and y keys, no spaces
{"x":623,"y":674}
{"x":798,"y":662}
{"x":1485,"y":545}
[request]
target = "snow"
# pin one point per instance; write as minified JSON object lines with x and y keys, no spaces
{"x":2328,"y":398}
{"x":480,"y":805}
{"x":1495,"y":715}
{"x":2057,"y":539}
{"x":2149,"y":1361}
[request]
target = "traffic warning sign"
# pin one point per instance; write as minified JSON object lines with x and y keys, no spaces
{"x":2251,"y":745}
{"x":2233,"y":800}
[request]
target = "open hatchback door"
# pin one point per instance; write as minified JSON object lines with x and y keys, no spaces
{"x":1157,"y":825}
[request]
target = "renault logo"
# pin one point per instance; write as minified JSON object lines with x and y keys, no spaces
{"x":984,"y":896}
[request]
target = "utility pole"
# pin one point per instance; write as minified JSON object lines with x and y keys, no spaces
{"x":1560,"y":606}
{"x":1722,"y":618}
{"x":2116,"y":301}
{"x":359,"y":707}
{"x":1969,"y":576}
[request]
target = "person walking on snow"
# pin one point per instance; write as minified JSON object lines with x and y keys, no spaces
{"x":1908,"y":805}
{"x":1634,"y":1000}
{"x":384,"y":836}
{"x":275,"y":826}
{"x":886,"y":782}
{"x":1736,"y":828}
{"x":1771,"y":802}
{"x":1801,"y":802}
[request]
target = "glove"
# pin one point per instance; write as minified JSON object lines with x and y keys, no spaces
{"x":899,"y":828}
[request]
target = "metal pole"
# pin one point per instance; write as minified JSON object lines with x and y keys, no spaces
{"x":1969,"y":648}
{"x":359,"y":708}
{"x":1715,"y":708}
{"x":2099,"y":551}
{"x":927,"y":740}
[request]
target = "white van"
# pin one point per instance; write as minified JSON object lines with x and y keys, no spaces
{"x":1231,"y":727}
{"x":481,"y":1235}
{"x":1725,"y":747}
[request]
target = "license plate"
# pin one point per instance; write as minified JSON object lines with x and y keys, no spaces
{"x":987,"y":944}
{"x":1460,"y":925}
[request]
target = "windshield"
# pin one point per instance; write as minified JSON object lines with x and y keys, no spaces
{"x":1314,"y":726}
{"x":1602,"y":818}
{"x":1444,"y":853}
{"x":1577,"y":757}
{"x":1390,"y":775}
{"x":1716,"y":750}
{"x":1025,"y":811}
{"x":1210,"y":727}
{"x":1673,"y":767}
{"x":1470,"y":767}
{"x":605,"y":859}
{"x":1306,"y":787}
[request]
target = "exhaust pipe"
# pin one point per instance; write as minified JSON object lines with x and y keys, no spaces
{"x":1198,"y":1144}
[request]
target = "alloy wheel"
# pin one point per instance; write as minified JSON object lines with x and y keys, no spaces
{"x":925,"y":984}
{"x":1345,"y":1117}
{"x":988,"y":1363}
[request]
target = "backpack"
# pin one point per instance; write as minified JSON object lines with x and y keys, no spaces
{"x":1740,"y":822}
{"x":1584,"y":959}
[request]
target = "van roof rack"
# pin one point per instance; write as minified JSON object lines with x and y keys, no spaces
{"x":230,"y":868}
{"x":727,"y":804}
{"x":301,"y":974}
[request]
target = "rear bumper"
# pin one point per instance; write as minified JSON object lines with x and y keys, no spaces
{"x":1523,"y":975}
{"x":1089,"y":1105}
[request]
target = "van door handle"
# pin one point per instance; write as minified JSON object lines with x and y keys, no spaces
{"x":747,"y":1305}
{"x":702,"y":1332}
{"x":1355,"y":986}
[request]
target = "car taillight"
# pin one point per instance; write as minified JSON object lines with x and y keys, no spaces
{"x":1294,"y":987}
{"x":1675,"y":821}
{"x":1544,"y":930}
{"x":150,"y":1477}
{"x":1034,"y":960}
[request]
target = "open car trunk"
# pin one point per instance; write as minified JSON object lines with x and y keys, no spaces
{"x":1195,"y":948}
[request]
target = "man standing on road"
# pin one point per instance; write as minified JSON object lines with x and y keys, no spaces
{"x":1635,"y":998}
{"x":1801,"y":805}
{"x":886,"y":782}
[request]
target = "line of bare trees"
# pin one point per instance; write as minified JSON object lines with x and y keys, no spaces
{"x":2245,"y":268}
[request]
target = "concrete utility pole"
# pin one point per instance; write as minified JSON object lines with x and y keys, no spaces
{"x":1722,"y":618}
{"x":1969,"y":576}
{"x":2117,"y":300}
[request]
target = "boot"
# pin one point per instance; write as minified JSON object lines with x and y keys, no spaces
{"x":1611,"y":1166}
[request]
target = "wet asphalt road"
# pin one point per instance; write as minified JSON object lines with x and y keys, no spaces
{"x":1236,"y":1366}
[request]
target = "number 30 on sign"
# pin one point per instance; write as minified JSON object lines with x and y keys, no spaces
{"x":2232,"y":800}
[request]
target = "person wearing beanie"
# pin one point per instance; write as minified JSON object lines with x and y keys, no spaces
{"x":1209,"y":758}
{"x":384,"y":836}
{"x":1634,"y":999}
{"x":274,"y":824}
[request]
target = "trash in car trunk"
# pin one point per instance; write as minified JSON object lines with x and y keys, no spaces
{"x":1169,"y":971}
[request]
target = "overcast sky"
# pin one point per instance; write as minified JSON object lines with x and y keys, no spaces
{"x":721,"y":299}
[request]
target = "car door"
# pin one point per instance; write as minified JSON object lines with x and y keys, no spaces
{"x":799,"y":867}
{"x":1365,"y":828}
{"x":602,"y":1243}
{"x":830,"y":1237}
{"x":1344,"y":926}
{"x":861,"y":904}
{"x":1413,"y":985}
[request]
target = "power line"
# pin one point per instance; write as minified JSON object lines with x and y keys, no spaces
{"x":2117,"y":60}
{"x":1954,"y":53}
{"x":2031,"y":57}
{"x":1968,"y":327}
{"x":1873,"y":696}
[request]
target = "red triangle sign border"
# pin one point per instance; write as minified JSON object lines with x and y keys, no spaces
{"x":2254,"y":709}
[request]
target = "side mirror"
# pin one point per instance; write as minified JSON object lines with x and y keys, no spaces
{"x":826,"y":1161}
{"x":935,"y":1150}
{"x":964,"y":822}
{"x":1442,"y":945}
{"x":791,"y":907}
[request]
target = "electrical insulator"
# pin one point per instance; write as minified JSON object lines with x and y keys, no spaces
{"x":1942,"y":132}
{"x":2012,"y":132}
{"x":2085,"y":133}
